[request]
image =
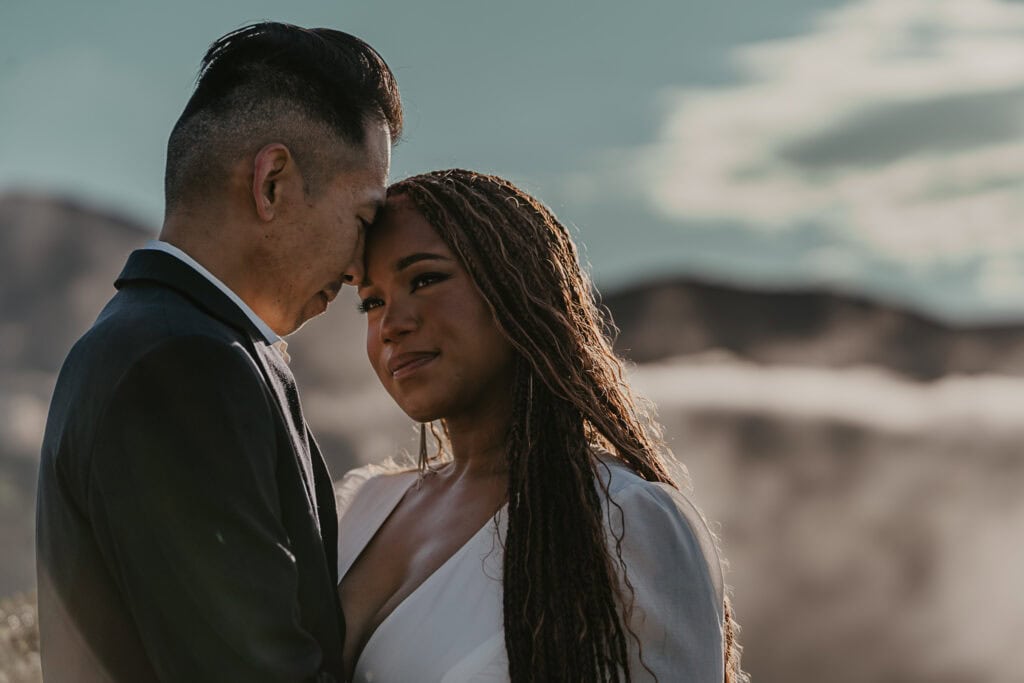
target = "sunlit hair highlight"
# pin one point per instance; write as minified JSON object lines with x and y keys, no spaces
{"x":565,"y":611}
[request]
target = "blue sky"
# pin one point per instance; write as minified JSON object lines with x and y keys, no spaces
{"x":872,"y":145}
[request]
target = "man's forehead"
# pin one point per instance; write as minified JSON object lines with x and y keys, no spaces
{"x":378,"y":144}
{"x":373,"y":156}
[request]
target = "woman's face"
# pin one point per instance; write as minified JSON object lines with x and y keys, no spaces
{"x":430,"y":336}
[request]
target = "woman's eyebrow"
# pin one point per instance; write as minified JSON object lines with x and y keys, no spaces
{"x":407,"y":261}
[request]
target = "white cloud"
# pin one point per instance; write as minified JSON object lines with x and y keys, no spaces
{"x":899,"y":124}
{"x":869,"y":397}
{"x":1001,"y":278}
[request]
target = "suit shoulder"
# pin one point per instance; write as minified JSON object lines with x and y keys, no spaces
{"x":141,"y":316}
{"x":204,"y":362}
{"x":139,"y":320}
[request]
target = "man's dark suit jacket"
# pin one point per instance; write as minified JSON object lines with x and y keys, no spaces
{"x":186,"y":525}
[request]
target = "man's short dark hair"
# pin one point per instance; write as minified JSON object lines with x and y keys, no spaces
{"x":274,"y":82}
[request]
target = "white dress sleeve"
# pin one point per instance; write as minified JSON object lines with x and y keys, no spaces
{"x":345,"y":490}
{"x":364,"y":497}
{"x":673,"y":566}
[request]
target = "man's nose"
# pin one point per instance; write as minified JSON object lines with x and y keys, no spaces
{"x":354,"y":273}
{"x":355,"y":270}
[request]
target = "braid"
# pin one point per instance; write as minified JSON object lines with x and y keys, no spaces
{"x":542,"y":525}
{"x":565,"y":614}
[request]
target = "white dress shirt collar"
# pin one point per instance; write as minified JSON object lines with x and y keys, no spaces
{"x":271,"y":337}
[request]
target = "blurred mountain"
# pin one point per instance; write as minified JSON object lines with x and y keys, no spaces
{"x":869,"y":517}
{"x":58,"y":260}
{"x":681,"y":316}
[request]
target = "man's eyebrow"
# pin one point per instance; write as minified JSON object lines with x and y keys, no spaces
{"x":407,"y":261}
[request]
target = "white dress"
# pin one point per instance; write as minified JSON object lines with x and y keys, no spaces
{"x":450,"y":628}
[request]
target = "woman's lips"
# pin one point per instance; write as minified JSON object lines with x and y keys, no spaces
{"x":405,"y":364}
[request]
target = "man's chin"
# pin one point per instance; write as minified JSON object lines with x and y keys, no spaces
{"x":316,"y":306}
{"x":302,"y":320}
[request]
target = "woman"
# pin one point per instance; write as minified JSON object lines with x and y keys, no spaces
{"x":551,"y":543}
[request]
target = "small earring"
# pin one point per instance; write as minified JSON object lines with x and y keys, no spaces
{"x":422,"y":463}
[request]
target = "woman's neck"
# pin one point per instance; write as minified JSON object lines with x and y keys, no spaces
{"x":477,"y":450}
{"x":479,"y":437}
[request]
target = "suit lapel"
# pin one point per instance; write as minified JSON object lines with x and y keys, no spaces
{"x":163,"y":268}
{"x":326,"y":506}
{"x":281,"y":382}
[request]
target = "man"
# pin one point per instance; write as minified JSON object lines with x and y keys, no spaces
{"x":186,"y":527}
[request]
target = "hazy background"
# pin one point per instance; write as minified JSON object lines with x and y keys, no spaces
{"x":806,"y":218}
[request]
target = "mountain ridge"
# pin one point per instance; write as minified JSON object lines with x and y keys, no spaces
{"x":59,"y":258}
{"x":680,"y":316}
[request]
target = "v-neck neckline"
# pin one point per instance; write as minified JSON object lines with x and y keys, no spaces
{"x":388,"y":510}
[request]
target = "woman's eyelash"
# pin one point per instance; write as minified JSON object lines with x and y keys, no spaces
{"x":422,"y":280}
{"x":426,"y":279}
{"x":368,"y":304}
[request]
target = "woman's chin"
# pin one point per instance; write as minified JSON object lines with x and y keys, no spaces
{"x":423,"y":405}
{"x":421,"y":413}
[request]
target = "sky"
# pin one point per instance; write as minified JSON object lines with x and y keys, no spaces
{"x":873,"y":146}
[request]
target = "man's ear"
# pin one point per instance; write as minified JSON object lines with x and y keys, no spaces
{"x":273,"y":173}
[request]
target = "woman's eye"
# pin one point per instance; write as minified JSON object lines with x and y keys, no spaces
{"x":425,"y":279}
{"x":368,"y":304}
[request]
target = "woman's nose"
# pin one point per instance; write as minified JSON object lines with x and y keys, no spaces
{"x":399,"y":319}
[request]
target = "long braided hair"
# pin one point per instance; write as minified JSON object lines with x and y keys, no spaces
{"x":565,"y":614}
